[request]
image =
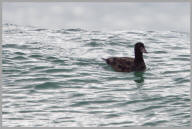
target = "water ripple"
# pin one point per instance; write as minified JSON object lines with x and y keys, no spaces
{"x":57,"y":78}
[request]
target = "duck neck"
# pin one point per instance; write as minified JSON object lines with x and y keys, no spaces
{"x":138,"y":57}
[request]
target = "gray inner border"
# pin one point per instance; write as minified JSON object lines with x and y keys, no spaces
{"x":96,"y":0}
{"x":1,"y":62}
{"x":141,"y":127}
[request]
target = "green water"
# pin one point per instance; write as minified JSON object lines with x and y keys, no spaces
{"x":56,"y":78}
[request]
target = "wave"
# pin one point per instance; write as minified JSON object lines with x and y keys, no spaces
{"x":56,"y":70}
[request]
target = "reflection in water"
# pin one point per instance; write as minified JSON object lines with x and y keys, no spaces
{"x":139,"y":77}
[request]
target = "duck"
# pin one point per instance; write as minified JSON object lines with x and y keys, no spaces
{"x":128,"y":64}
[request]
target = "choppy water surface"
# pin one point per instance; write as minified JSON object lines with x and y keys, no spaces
{"x":57,"y":78}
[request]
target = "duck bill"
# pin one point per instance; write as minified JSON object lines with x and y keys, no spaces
{"x":143,"y":50}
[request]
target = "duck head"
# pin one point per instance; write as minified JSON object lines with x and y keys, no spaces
{"x":140,"y":48}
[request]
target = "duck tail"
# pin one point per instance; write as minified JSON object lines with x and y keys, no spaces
{"x":104,"y":59}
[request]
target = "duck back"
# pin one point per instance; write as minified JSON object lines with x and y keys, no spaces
{"x":125,"y":64}
{"x":121,"y":64}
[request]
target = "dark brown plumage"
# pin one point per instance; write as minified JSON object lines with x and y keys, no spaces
{"x":127,"y":64}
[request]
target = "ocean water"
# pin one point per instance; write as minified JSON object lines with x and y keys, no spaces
{"x":56,"y":78}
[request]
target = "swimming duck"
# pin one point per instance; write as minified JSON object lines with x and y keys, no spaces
{"x":127,"y":64}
